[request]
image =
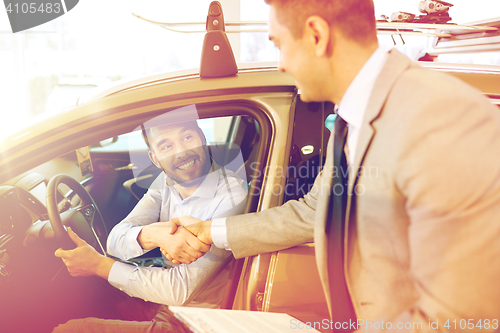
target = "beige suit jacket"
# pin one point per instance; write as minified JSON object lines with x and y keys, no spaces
{"x":423,"y":230}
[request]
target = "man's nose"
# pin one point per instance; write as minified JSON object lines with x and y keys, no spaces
{"x":181,"y":150}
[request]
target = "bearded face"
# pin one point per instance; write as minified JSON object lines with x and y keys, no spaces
{"x":181,"y":152}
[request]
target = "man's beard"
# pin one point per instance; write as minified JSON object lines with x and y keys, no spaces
{"x":193,"y":174}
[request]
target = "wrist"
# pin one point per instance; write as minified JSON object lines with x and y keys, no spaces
{"x":206,"y":233}
{"x":145,"y":238}
{"x":104,"y":267}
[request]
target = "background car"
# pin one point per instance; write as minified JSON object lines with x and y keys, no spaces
{"x":282,"y":141}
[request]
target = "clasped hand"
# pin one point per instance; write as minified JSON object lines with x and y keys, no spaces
{"x":181,"y":240}
{"x":181,"y":244}
{"x":198,"y":229}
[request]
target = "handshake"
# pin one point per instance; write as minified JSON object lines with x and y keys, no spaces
{"x":181,"y":240}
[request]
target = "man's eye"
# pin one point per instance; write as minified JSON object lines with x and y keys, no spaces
{"x":167,"y":147}
{"x":188,"y":137}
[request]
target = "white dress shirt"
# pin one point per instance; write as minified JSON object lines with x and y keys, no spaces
{"x":201,"y":283}
{"x":351,"y":108}
{"x":353,"y":105}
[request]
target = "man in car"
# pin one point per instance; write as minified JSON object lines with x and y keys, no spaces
{"x":412,"y":246}
{"x":191,"y":183}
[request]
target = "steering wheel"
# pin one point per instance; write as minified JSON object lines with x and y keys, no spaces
{"x":80,"y":218}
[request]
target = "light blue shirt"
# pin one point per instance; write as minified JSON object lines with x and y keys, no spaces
{"x":222,"y":193}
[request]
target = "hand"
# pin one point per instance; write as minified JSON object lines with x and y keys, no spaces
{"x":197,"y":227}
{"x":84,"y":260}
{"x":183,"y":245}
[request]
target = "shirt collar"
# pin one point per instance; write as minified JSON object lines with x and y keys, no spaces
{"x":353,"y":105}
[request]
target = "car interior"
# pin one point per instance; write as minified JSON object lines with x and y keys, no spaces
{"x":36,"y":206}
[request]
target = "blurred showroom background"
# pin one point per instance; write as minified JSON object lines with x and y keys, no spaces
{"x":47,"y":67}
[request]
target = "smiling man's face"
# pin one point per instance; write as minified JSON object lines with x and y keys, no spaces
{"x":180,"y":151}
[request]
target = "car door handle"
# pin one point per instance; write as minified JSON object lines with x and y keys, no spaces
{"x":130,"y":166}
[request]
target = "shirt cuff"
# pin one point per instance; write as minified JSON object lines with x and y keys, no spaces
{"x":135,"y":248}
{"x":119,"y":275}
{"x":219,"y":234}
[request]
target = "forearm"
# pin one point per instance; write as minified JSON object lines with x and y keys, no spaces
{"x":153,"y":284}
{"x":122,"y":241}
{"x":171,"y":286}
{"x":277,"y":228}
{"x":271,"y":230}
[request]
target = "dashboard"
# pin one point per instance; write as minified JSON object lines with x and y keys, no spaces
{"x":26,"y":235}
{"x":18,"y":207}
{"x":29,"y":271}
{"x":23,"y":203}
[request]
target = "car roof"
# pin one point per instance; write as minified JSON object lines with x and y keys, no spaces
{"x":143,"y":81}
{"x":167,"y":86}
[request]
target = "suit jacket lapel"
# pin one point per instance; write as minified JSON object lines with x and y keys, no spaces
{"x":395,"y":65}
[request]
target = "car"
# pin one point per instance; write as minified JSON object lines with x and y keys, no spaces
{"x":252,"y":112}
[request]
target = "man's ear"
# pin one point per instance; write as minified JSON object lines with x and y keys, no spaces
{"x":318,"y":32}
{"x":202,"y":137}
{"x":153,"y":159}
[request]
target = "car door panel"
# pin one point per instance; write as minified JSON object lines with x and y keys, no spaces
{"x":288,"y":280}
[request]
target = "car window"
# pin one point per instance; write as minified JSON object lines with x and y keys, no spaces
{"x":215,"y":130}
{"x":119,"y":176}
{"x":123,"y":172}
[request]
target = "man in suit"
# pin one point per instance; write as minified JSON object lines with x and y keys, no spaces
{"x":416,"y":223}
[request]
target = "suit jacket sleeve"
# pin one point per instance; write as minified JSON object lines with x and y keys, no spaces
{"x":276,"y":228}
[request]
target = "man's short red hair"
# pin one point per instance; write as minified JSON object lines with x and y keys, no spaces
{"x":354,"y":18}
